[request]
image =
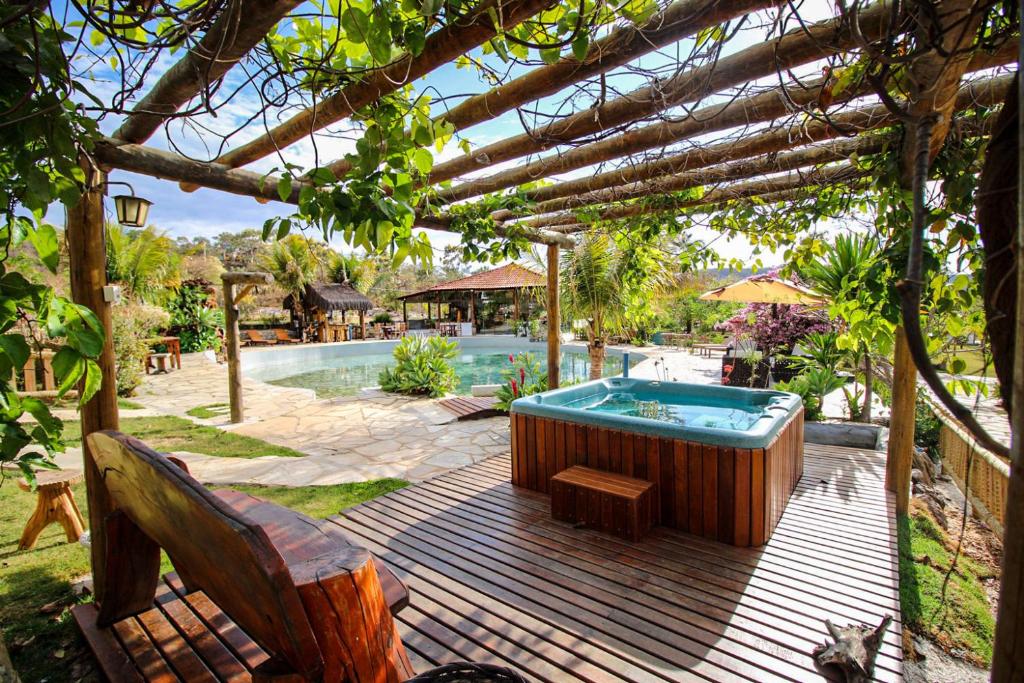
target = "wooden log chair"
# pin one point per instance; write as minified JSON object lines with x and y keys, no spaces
{"x":321,"y":606}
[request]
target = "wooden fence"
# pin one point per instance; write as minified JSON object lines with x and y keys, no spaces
{"x":36,"y":378}
{"x":989,"y":474}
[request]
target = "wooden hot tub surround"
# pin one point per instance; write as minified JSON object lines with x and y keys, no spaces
{"x":733,"y":495}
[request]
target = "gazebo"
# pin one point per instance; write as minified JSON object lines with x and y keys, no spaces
{"x":323,"y":299}
{"x":462,"y":293}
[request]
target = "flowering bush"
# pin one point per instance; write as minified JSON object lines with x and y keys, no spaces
{"x":523,"y":377}
{"x":776,"y":327}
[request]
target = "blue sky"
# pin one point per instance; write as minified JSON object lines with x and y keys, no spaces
{"x":207,"y":212}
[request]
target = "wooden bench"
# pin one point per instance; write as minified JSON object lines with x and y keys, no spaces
{"x":606,"y":501}
{"x":318,"y":604}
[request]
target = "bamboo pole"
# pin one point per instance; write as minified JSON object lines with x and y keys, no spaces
{"x":679,"y":20}
{"x":239,"y":28}
{"x":799,"y":46}
{"x":87,"y":254}
{"x":901,"y":424}
{"x":554,"y":319}
{"x":441,"y":47}
{"x":232,"y":346}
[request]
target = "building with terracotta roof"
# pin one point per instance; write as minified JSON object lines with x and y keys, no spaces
{"x":492,"y":300}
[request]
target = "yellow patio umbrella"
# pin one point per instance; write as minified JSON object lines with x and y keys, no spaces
{"x":765,"y":289}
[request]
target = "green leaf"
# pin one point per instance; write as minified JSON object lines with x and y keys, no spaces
{"x":284,"y":188}
{"x":93,"y":380}
{"x":16,"y":348}
{"x":356,"y":25}
{"x":68,"y":366}
{"x":550,"y":55}
{"x":44,"y":239}
{"x":423,"y":160}
{"x":580,"y":46}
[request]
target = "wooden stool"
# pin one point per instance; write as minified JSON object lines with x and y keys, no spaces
{"x":54,"y":503}
{"x":606,"y":501}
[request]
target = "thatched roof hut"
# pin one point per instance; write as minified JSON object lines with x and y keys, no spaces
{"x":332,"y":296}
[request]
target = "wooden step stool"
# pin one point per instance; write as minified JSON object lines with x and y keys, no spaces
{"x":609,"y":502}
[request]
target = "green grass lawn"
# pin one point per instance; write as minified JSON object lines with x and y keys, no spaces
{"x":125,"y":404}
{"x":47,"y":646}
{"x":172,"y":433}
{"x":209,"y":411}
{"x":958,"y":618}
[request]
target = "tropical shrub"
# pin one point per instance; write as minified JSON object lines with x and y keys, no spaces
{"x":132,"y":323}
{"x":382,"y":317}
{"x":812,"y":386}
{"x":422,"y":367}
{"x":192,"y":318}
{"x":524,"y":376}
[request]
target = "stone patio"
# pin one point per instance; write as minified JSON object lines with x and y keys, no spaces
{"x":348,"y":439}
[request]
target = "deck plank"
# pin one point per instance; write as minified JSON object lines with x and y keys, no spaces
{"x":470,"y":538}
{"x":493,"y":578}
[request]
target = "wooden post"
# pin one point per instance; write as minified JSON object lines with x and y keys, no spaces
{"x":472,"y":310}
{"x":515,"y":306}
{"x":901,"y":424}
{"x":1008,"y":653}
{"x":233,"y":350}
{"x":554,"y":318}
{"x":405,"y":312}
{"x":88,"y":255}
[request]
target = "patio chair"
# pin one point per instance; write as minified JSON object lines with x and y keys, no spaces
{"x":284,"y":338}
{"x":254,"y":338}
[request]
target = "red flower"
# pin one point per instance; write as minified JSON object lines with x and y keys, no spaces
{"x":515,"y":388}
{"x":726,"y":371}
{"x":522,"y":376}
{"x":511,"y":358}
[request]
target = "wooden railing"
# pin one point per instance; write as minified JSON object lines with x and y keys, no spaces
{"x":36,"y":377}
{"x":985,"y":484}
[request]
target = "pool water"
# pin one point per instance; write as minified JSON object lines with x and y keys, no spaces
{"x":698,"y":411}
{"x":346,"y":375}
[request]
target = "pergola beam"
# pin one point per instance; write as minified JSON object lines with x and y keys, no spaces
{"x":794,"y":48}
{"x":239,"y":28}
{"x":761,"y":108}
{"x":987,"y":92}
{"x":665,"y":203}
{"x":677,"y":21}
{"x":441,"y":47}
{"x":158,"y":163}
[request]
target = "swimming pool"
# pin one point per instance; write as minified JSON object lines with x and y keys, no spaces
{"x":333,"y":370}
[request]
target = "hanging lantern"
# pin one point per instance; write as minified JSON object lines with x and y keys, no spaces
{"x":132,"y":211}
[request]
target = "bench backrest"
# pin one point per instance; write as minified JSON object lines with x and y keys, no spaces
{"x":226,"y":555}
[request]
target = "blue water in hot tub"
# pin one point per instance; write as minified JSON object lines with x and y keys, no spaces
{"x":704,"y":413}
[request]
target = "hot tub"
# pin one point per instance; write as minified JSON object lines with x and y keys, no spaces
{"x":725,"y":459}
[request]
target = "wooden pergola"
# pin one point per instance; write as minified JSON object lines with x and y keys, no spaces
{"x":778,"y":161}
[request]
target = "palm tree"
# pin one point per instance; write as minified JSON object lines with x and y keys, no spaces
{"x":144,"y":262}
{"x":597,"y":287}
{"x":351,"y":269}
{"x":292,"y":264}
{"x":840,"y":273}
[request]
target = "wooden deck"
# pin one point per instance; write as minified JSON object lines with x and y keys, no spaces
{"x":494,"y":579}
{"x":471,"y":407}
